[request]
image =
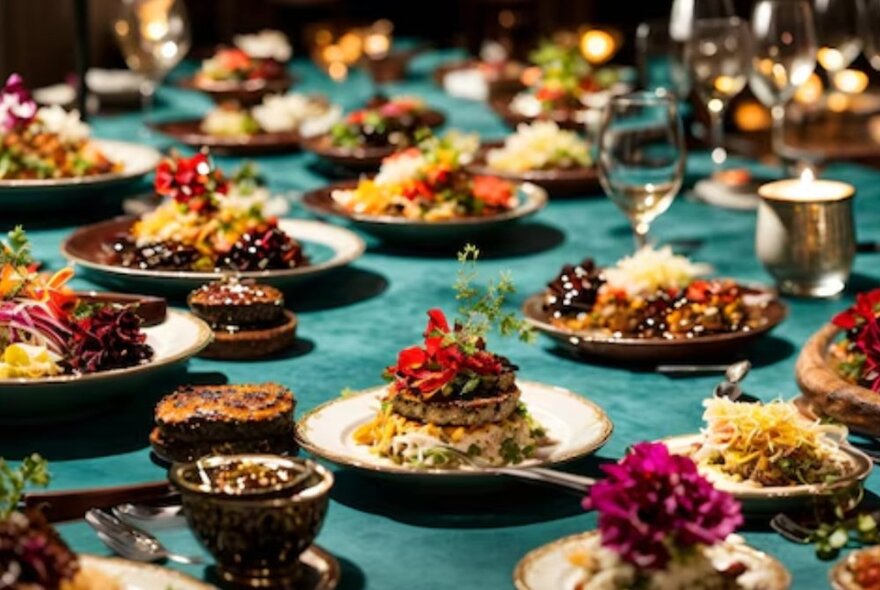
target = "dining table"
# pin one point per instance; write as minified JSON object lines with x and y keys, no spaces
{"x":390,"y":534}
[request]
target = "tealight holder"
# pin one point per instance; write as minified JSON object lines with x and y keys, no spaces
{"x":805,"y":235}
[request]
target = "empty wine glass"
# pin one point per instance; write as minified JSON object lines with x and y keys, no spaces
{"x":718,"y":54}
{"x":871,"y":31}
{"x":784,"y":56}
{"x":641,"y":156}
{"x":154,"y":35}
{"x":687,"y":12}
{"x":837,"y":29}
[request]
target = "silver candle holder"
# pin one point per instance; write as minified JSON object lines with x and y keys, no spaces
{"x":805,"y":235}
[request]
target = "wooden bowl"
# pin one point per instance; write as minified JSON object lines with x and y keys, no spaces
{"x":827,"y":393}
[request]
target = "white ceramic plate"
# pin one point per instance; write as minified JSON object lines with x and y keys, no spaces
{"x":755,"y":498}
{"x":141,"y":576}
{"x":328,"y":247}
{"x":548,"y":567}
{"x":578,"y":426}
{"x":179,"y":337}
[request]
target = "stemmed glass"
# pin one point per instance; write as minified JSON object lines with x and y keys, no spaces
{"x":837,"y":28}
{"x":641,"y":156}
{"x":154,"y":35}
{"x":871,"y":31}
{"x":718,"y":55}
{"x":687,"y":12}
{"x":784,"y":56}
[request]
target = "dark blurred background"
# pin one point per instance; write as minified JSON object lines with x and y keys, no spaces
{"x":36,"y":36}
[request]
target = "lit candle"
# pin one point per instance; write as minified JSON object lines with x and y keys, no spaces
{"x":806,"y":188}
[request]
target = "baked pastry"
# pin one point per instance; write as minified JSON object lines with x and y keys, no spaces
{"x":248,"y":319}
{"x":197,"y":420}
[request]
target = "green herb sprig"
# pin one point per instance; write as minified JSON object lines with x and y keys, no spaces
{"x":16,"y":249}
{"x":33,"y":471}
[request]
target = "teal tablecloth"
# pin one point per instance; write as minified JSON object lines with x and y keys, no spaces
{"x":351,"y":328}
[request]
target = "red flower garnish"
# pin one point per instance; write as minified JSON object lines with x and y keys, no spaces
{"x":234,"y":60}
{"x":866,"y":308}
{"x":492,"y":190}
{"x":109,"y":338}
{"x":190,"y":181}
{"x":17,"y":108}
{"x":430,"y":368}
{"x":548,"y":94}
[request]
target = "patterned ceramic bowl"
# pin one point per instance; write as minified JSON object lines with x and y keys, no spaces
{"x":255,"y":535}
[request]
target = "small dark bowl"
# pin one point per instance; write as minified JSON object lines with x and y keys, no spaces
{"x":256,"y":539}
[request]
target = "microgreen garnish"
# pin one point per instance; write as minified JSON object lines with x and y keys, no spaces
{"x":33,"y":470}
{"x":16,"y":249}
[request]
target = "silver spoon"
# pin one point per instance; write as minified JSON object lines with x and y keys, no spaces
{"x":733,"y":375}
{"x":146,"y":512}
{"x":132,"y":542}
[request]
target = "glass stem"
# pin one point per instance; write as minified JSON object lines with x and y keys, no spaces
{"x":148,"y":94}
{"x":777,"y":112}
{"x":640,"y":232}
{"x":716,"y":122}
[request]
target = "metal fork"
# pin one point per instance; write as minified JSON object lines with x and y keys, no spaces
{"x":567,"y":481}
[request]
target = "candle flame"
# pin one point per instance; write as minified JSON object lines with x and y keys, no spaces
{"x":808,"y":175}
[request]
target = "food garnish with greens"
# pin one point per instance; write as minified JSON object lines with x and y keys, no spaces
{"x":385,"y":122}
{"x":46,"y":142}
{"x":662,"y":526}
{"x":452,"y":391}
{"x":769,"y":444}
{"x":208,"y":222}
{"x":856,"y":356}
{"x":255,"y":58}
{"x":540,"y":145}
{"x":429,"y":183}
{"x":32,"y":553}
{"x":287,"y":113}
{"x":652,"y":294}
{"x":46,"y":330}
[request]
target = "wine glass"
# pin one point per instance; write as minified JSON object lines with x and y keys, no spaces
{"x":837,"y":29}
{"x":641,"y":156}
{"x":154,"y":35}
{"x":784,"y":57}
{"x":871,"y":31}
{"x":718,"y":54}
{"x":687,"y":12}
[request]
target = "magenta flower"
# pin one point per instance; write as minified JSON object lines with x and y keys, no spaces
{"x":654,"y":504}
{"x":17,"y":108}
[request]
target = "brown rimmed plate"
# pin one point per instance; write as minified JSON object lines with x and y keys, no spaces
{"x":360,"y":159}
{"x":247,"y":92}
{"x":51,"y":399}
{"x":827,"y":394}
{"x":189,"y":132}
{"x":644,"y":351}
{"x":420,"y":233}
{"x":571,"y":119}
{"x":841,"y":577}
{"x":562,"y":182}
{"x":42,"y":195}
{"x":577,"y":426}
{"x":549,"y":568}
{"x":90,"y":247}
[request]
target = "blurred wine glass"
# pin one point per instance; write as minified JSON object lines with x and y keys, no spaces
{"x":838,"y":32}
{"x":641,"y":156}
{"x":154,"y":35}
{"x":685,"y":13}
{"x":784,"y":57}
{"x":871,"y":31}
{"x":718,"y":54}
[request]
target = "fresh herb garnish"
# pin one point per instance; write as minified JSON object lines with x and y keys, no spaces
{"x":33,"y":470}
{"x":16,"y":249}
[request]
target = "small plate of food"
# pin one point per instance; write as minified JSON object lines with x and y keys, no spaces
{"x":207,"y":226}
{"x":564,"y":89}
{"x":365,"y":137}
{"x":557,"y":160}
{"x":276,"y":125}
{"x":245,"y":73}
{"x":661,"y":525}
{"x":423,"y":196}
{"x":770,"y":456}
{"x":652,"y":307}
{"x":860,"y":570}
{"x":67,"y":354}
{"x":453,"y":393}
{"x":476,"y":79}
{"x":48,"y":158}
{"x":838,"y":370}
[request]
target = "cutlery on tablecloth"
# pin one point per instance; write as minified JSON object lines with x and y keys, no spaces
{"x":60,"y":506}
{"x":733,"y":375}
{"x":131,"y":542}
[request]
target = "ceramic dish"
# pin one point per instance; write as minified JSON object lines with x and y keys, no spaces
{"x":247,"y":92}
{"x":583,"y":180}
{"x":650,"y":350}
{"x":180,"y":337}
{"x":425,"y":233}
{"x":841,"y":576}
{"x":44,"y":194}
{"x":327,"y":246}
{"x":578,"y":426}
{"x":828,"y":394}
{"x":133,"y":575}
{"x":573,"y":120}
{"x":189,"y":132}
{"x":361,"y":159}
{"x":774,"y":498}
{"x":549,"y":568}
